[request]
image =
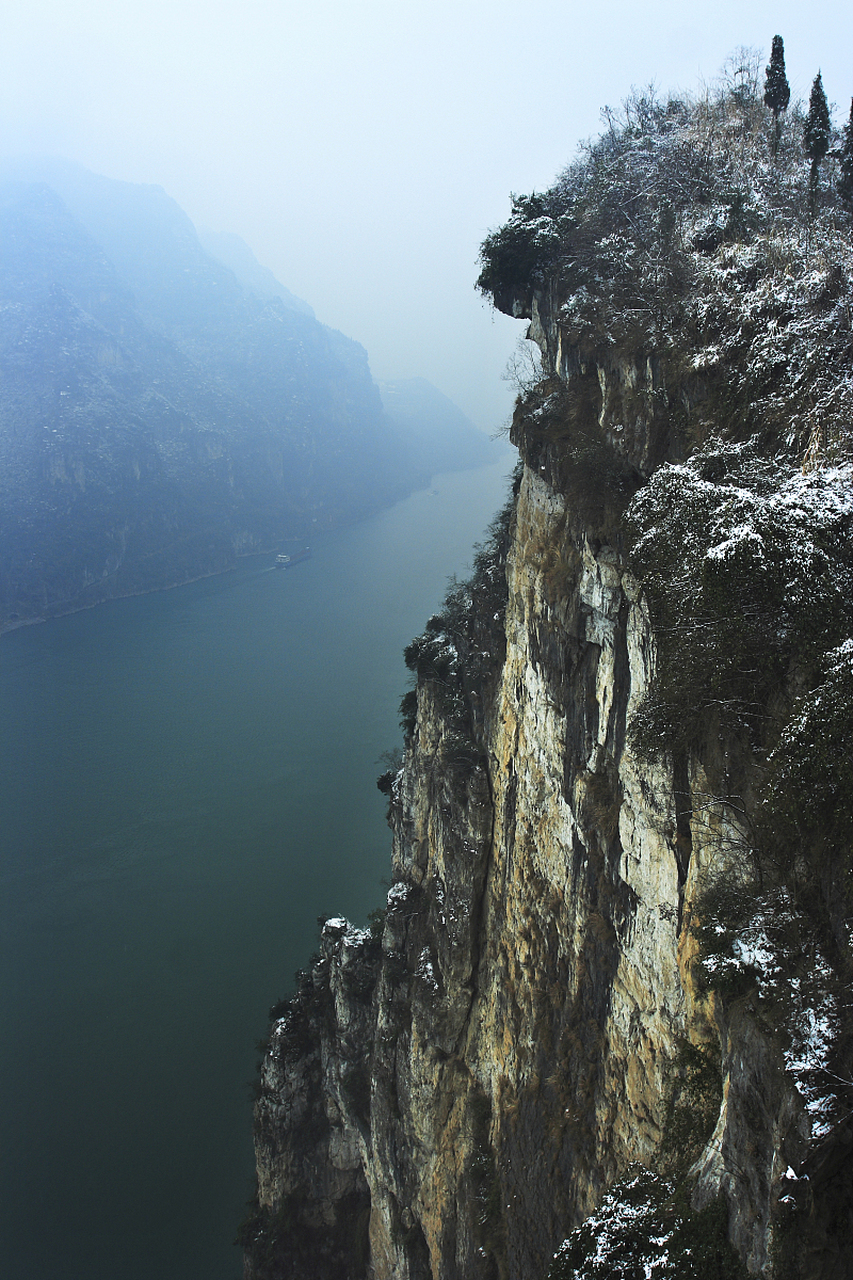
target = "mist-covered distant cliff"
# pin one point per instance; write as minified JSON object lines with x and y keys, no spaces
{"x":604,"y":1024}
{"x":158,"y":415}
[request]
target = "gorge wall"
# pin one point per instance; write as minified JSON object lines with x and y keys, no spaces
{"x":608,"y":1001}
{"x":160,"y":416}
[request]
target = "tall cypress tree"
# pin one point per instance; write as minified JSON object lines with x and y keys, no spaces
{"x":845,"y":177}
{"x":816,"y":134}
{"x":777,"y":91}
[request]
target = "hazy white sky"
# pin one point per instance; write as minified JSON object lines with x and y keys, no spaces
{"x":364,"y":149}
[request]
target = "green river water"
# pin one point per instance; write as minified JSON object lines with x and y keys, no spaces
{"x":187,"y":780}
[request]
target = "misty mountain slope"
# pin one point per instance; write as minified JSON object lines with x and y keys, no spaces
{"x":280,"y":358}
{"x":102,"y":421}
{"x":604,"y":1024}
{"x":234,"y":253}
{"x":156,"y":417}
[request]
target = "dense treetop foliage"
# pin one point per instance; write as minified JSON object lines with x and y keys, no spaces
{"x":777,"y":91}
{"x":818,"y":127}
{"x":817,"y":133}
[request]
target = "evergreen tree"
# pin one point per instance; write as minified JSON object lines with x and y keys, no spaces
{"x":816,"y":134}
{"x":777,"y":91}
{"x":845,"y":178}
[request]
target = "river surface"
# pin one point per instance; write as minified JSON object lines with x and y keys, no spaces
{"x":187,"y":780}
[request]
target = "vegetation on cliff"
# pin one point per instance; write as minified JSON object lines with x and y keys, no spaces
{"x":462,"y":646}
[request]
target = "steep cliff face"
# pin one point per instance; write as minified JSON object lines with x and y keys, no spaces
{"x":610,"y":940}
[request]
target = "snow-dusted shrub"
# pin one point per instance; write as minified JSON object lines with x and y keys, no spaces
{"x":748,"y":567}
{"x":643,"y":1231}
{"x":811,"y":769}
{"x":761,"y":941}
{"x":522,"y":250}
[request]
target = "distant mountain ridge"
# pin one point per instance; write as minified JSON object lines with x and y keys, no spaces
{"x":157,"y":416}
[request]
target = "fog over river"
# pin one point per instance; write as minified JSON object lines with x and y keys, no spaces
{"x":187,"y":781}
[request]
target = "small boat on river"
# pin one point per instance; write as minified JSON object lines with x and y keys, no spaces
{"x":285,"y":560}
